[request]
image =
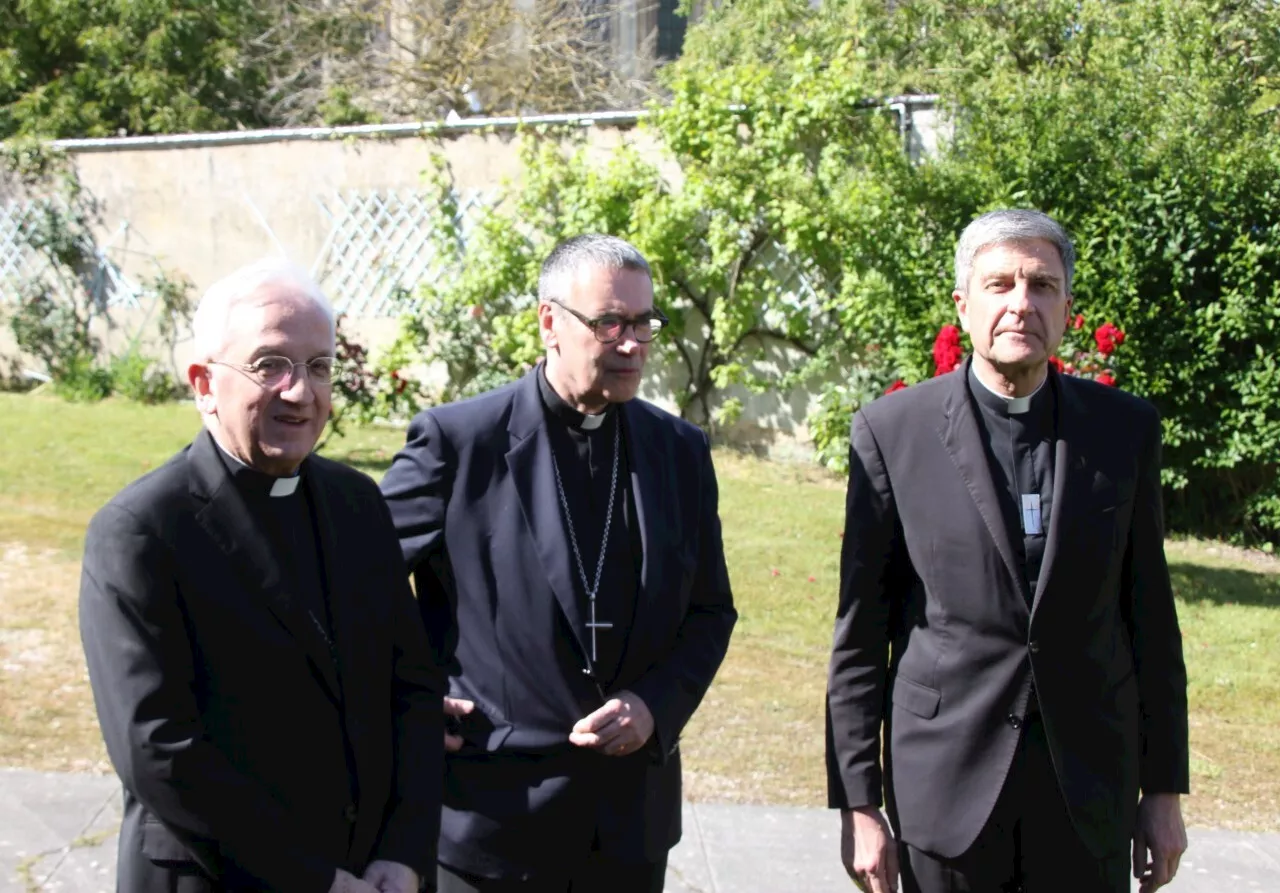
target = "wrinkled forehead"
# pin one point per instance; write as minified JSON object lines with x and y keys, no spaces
{"x":597,"y":290}
{"x":1020,"y":255}
{"x":278,"y":316}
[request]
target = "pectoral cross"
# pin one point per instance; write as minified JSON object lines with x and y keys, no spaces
{"x":594,"y":625}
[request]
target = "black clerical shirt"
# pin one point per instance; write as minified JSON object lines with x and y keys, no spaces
{"x":289,"y":522}
{"x":1018,"y":435}
{"x":584,"y":455}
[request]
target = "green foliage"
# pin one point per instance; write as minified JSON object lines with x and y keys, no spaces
{"x":57,"y":311}
{"x":366,"y":392}
{"x":141,"y":379}
{"x":477,"y":319}
{"x":1149,"y":128}
{"x":87,"y":68}
{"x":744,"y":268}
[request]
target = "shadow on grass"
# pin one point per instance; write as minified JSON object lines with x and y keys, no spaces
{"x":1224,"y":586}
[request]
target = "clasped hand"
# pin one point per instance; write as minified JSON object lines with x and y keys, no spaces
{"x":622,"y":726}
{"x":380,"y":877}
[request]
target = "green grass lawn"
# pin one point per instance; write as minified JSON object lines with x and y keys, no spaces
{"x":758,"y":736}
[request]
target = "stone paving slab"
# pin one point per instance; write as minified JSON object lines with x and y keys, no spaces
{"x":57,"y":834}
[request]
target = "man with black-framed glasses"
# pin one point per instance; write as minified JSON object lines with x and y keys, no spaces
{"x":565,"y":542}
{"x":261,"y":674}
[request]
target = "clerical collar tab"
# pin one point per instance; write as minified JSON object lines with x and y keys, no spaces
{"x":1012,"y":405}
{"x":592,"y":422}
{"x":285,"y":486}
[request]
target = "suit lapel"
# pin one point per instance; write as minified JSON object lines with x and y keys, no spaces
{"x":646,"y":469}
{"x":231,"y":525}
{"x":343,"y":626}
{"x":963,"y":442}
{"x":650,"y":466}
{"x":1068,"y":474}
{"x":530,"y":462}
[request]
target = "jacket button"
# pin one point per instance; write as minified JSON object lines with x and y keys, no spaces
{"x":350,"y":813}
{"x":1015,"y":721}
{"x":1034,"y":646}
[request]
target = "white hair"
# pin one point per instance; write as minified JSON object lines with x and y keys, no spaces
{"x":209,"y":324}
{"x":997,"y":227}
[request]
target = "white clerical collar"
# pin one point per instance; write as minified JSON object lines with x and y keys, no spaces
{"x":285,"y":486}
{"x":592,"y":422}
{"x":279,"y":487}
{"x":1015,"y":405}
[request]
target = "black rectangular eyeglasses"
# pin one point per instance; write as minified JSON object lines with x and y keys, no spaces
{"x":609,"y":327}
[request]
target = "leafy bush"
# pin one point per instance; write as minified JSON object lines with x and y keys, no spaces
{"x":1148,"y":128}
{"x":57,"y":311}
{"x":142,"y":380}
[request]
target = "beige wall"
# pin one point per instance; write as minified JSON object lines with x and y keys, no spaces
{"x":205,"y":210}
{"x":203,"y":205}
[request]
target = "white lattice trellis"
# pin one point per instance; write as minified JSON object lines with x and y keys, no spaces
{"x":379,"y":247}
{"x":20,"y":263}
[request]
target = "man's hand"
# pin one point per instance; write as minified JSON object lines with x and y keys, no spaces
{"x":349,"y":883}
{"x":1161,"y":833}
{"x":867,"y":849}
{"x":455,"y":707}
{"x":622,"y":726}
{"x":391,"y":877}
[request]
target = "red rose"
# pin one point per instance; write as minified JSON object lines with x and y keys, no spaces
{"x":1108,"y":337}
{"x":1106,"y":379}
{"x":896,"y":386}
{"x":1079,"y":321}
{"x":947,"y":352}
{"x":1056,"y":362}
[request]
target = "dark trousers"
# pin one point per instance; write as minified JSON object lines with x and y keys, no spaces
{"x":598,"y":874}
{"x":1027,"y":846}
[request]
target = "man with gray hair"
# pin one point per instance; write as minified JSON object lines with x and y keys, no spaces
{"x":565,"y":543}
{"x":262,"y":677}
{"x":1005,"y":611}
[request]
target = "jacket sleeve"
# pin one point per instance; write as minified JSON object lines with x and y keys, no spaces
{"x":412,"y":827}
{"x":1154,"y":636}
{"x":674,"y":687}
{"x":142,"y":671}
{"x":417,"y":488}
{"x":860,"y":644}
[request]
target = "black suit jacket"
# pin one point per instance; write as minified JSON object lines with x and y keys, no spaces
{"x":474,"y":499}
{"x":249,"y":760}
{"x":934,"y":638}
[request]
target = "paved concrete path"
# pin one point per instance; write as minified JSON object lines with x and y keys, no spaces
{"x":57,"y":833}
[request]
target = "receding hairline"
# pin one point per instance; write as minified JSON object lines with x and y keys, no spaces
{"x":573,"y":258}
{"x":1008,"y":226}
{"x":1018,"y":242}
{"x":264,"y":282}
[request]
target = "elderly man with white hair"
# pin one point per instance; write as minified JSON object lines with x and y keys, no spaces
{"x":261,"y":673}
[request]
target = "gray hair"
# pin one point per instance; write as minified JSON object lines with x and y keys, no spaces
{"x":997,"y":227}
{"x":592,"y":250}
{"x":209,"y":324}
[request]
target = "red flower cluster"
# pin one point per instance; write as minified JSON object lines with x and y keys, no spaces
{"x":1089,"y":360}
{"x":1108,"y":337}
{"x":896,"y":386}
{"x":947,"y":352}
